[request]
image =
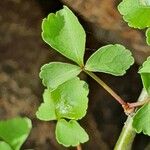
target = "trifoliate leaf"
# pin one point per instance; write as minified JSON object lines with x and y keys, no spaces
{"x":136,"y":12}
{"x":70,"y":133}
{"x":15,"y":131}
{"x":141,"y":121}
{"x":4,"y":146}
{"x":56,"y":73}
{"x":46,"y":111}
{"x":111,"y":59}
{"x":63,"y":32}
{"x":69,"y":101}
{"x":145,"y":74}
{"x":148,"y":36}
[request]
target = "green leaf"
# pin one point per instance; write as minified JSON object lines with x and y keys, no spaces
{"x":70,"y":133}
{"x":148,"y":36}
{"x":63,"y":32}
{"x":69,"y":101}
{"x":141,"y":120}
{"x":145,"y":74}
{"x":4,"y":146}
{"x":46,"y":111}
{"x":111,"y":59}
{"x":136,"y":12}
{"x":56,"y":73}
{"x":15,"y":131}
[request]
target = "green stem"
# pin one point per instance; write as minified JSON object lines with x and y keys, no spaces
{"x":128,"y":134}
{"x":126,"y":137}
{"x":108,"y":89}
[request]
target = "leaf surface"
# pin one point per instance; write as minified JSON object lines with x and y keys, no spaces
{"x":141,"y":121}
{"x":148,"y":36}
{"x":15,"y":131}
{"x":63,"y":32}
{"x":46,"y":110}
{"x":111,"y":59}
{"x":56,"y":73}
{"x":69,"y":101}
{"x":4,"y":146}
{"x":70,"y":133}
{"x":145,"y":74}
{"x":136,"y":12}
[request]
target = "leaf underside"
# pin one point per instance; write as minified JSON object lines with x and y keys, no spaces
{"x":70,"y":133}
{"x":141,"y":121}
{"x":63,"y":32}
{"x":111,"y":59}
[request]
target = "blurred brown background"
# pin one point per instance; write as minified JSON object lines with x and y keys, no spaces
{"x":22,"y":52}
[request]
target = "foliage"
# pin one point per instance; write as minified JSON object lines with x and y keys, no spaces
{"x":145,"y":74}
{"x":132,"y":10}
{"x":65,"y":98}
{"x":14,"y":132}
{"x":5,"y":146}
{"x":112,"y":59}
{"x":56,"y":73}
{"x":141,"y":121}
{"x":66,"y":95}
{"x":148,"y":36}
{"x":74,"y":133}
{"x":64,"y":33}
{"x":68,"y":101}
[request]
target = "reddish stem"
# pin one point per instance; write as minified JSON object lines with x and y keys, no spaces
{"x":128,"y":107}
{"x":138,"y":103}
{"x":79,"y":147}
{"x":108,"y":89}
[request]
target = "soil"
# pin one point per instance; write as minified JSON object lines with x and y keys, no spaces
{"x":22,"y":53}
